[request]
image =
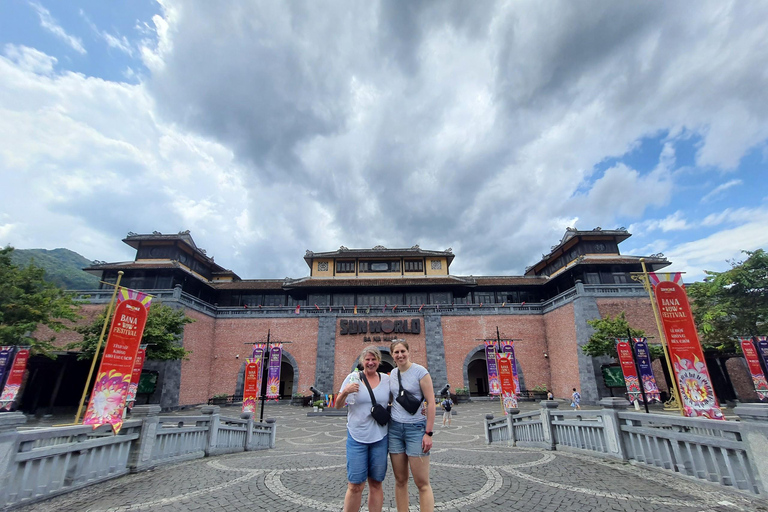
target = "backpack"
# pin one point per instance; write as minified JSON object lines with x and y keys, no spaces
{"x":447,"y":405}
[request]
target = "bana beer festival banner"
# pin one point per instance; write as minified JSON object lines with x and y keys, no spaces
{"x":507,"y":381}
{"x":643,"y":358}
{"x":251,"y":386}
{"x":133,"y":387}
{"x":627,"y":363}
{"x":15,"y":378}
{"x":507,"y":347}
{"x":755,"y":370}
{"x":110,"y":391}
{"x":493,"y":373}
{"x":688,"y":362}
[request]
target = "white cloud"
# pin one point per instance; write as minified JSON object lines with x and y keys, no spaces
{"x":51,"y":25}
{"x":674,"y":222}
{"x":720,"y":189}
{"x":29,"y":59}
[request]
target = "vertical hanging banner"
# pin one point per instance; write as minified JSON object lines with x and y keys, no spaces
{"x":755,"y":370}
{"x":643,"y":358}
{"x":508,"y":347}
{"x":5,"y":361}
{"x":627,"y":363}
{"x":259,"y":355}
{"x":507,"y":381}
{"x":494,"y":386}
{"x":15,"y":378}
{"x":133,"y":387}
{"x":110,"y":390}
{"x":693,"y":379}
{"x":273,"y":375}
{"x":251,"y":386}
{"x":761,"y":344}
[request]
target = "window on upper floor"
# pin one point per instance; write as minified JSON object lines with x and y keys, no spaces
{"x":414,"y":265}
{"x":345,"y":267}
{"x":379,"y":266}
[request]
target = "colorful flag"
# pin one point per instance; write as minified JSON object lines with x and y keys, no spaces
{"x":507,"y":381}
{"x":494,"y":385}
{"x":110,"y":391}
{"x":756,"y":371}
{"x":394,"y":308}
{"x":688,"y":364}
{"x":384,"y":308}
{"x":354,"y":312}
{"x":298,"y":308}
{"x":251,"y":385}
{"x":15,"y":378}
{"x":5,"y":361}
{"x":368,"y":309}
{"x":133,"y":387}
{"x":627,"y":363}
{"x":128,"y":294}
{"x":503,"y":304}
{"x":508,"y":347}
{"x":273,"y":375}
{"x":421,"y":307}
{"x":643,"y":358}
{"x":316,"y":306}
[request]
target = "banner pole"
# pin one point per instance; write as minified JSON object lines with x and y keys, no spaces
{"x":98,"y":347}
{"x":675,"y":392}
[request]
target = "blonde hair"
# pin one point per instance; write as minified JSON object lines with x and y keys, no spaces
{"x":399,"y":342}
{"x":370,"y":350}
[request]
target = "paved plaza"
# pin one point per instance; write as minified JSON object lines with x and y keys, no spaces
{"x":306,"y":472}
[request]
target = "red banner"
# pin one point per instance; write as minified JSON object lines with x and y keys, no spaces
{"x":688,"y":362}
{"x":110,"y":390}
{"x":15,"y":378}
{"x":506,"y":380}
{"x":251,"y":386}
{"x":753,"y":362}
{"x":133,"y":387}
{"x":627,"y":363}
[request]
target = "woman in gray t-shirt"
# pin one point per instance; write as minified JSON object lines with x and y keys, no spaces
{"x":410,"y":435}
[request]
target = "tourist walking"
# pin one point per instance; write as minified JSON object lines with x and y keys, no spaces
{"x":410,"y":430}
{"x":367,"y":441}
{"x":576,"y":399}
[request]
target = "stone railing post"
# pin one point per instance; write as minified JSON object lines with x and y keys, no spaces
{"x":488,"y":418}
{"x":9,"y":422}
{"x":140,"y":456}
{"x":511,"y":424}
{"x":273,"y":432}
{"x":612,"y":406}
{"x":754,"y":433}
{"x":213,"y":428}
{"x":547,"y":407}
{"x":248,"y":429}
{"x":177,"y":292}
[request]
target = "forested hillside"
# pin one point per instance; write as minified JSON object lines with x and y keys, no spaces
{"x":62,"y":267}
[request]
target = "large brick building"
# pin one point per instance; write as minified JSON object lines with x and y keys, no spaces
{"x":356,"y":297}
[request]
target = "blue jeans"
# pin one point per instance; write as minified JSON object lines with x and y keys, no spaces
{"x":406,"y":438}
{"x":366,"y":460}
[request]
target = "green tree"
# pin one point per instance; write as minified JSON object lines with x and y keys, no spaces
{"x":732,"y":303}
{"x":603,"y":341}
{"x":162,"y":333}
{"x":28,"y":301}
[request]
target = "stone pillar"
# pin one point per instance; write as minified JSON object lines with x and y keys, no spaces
{"x":511,"y":424}
{"x":273,"y":433}
{"x":9,"y":422}
{"x":754,"y":434}
{"x":140,"y":456}
{"x":249,"y":429}
{"x":213,"y":428}
{"x":433,"y":337}
{"x":547,"y":408}
{"x":488,"y":418}
{"x":325,"y":362}
{"x":177,"y":292}
{"x":612,"y":406}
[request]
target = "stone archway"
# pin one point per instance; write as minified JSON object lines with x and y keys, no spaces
{"x":387,"y":363}
{"x":289,"y":377}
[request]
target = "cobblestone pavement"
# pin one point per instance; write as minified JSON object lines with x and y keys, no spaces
{"x":306,"y":472}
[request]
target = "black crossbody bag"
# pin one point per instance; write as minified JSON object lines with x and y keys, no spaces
{"x":407,"y":399}
{"x":378,"y":411}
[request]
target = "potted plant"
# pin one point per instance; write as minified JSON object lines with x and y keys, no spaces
{"x":297,"y":399}
{"x":220,"y":398}
{"x":318,"y":405}
{"x":462,"y":395}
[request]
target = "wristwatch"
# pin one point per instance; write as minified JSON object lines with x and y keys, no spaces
{"x":429,"y":433}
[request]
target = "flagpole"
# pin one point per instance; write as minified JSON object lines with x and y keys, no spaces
{"x":98,"y":347}
{"x":675,"y":392}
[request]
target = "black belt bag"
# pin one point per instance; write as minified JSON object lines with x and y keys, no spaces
{"x":378,"y":411}
{"x":407,"y":399}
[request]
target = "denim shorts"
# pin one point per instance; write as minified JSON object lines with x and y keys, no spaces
{"x":366,"y":460}
{"x":406,"y":438}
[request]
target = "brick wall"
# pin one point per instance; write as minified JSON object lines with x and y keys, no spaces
{"x":562,"y":350}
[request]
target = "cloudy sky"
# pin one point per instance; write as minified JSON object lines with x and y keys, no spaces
{"x":268,"y":128}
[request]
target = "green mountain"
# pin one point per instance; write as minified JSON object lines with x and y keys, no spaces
{"x":62,"y":267}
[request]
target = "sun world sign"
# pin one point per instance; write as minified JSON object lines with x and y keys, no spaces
{"x":412,"y":326}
